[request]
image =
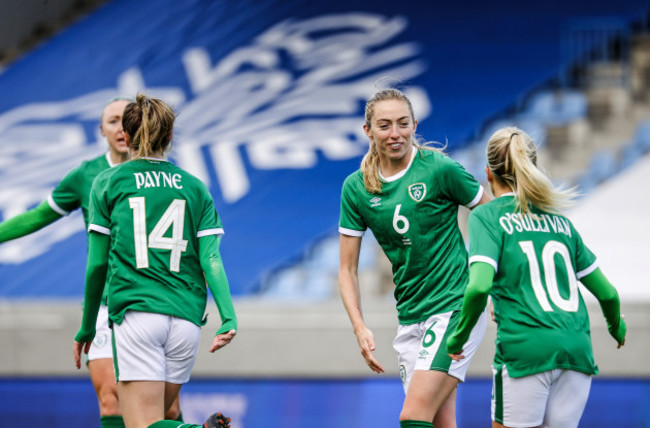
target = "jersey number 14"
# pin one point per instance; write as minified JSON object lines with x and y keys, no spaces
{"x":172,"y":217}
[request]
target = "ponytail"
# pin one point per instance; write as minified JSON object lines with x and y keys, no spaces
{"x":512,"y":158}
{"x":149,"y":122}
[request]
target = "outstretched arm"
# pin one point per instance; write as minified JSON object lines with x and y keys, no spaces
{"x":350,"y":247}
{"x":474,"y":301}
{"x":217,"y":280}
{"x":98,"y":245}
{"x":604,"y":291}
{"x":28,"y":222}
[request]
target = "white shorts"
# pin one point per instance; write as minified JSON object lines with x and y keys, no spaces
{"x":551,"y":399}
{"x":101,"y":347}
{"x":423,"y":346}
{"x":155,"y":347}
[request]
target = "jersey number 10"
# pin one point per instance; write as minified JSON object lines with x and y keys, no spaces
{"x":551,"y":248}
{"x":173,"y":217}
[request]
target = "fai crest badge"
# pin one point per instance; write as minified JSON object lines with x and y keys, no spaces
{"x":402,"y":373}
{"x":417,"y":191}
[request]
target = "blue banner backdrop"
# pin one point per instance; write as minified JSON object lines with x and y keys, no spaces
{"x":299,"y":403}
{"x":270,"y":98}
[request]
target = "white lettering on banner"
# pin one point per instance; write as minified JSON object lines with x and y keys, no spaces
{"x":290,"y":97}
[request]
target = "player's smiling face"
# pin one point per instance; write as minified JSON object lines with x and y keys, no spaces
{"x":391,"y":129}
{"x":111,"y":126}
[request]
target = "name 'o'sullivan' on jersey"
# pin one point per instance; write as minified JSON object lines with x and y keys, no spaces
{"x":538,"y":259}
{"x":155,"y":213}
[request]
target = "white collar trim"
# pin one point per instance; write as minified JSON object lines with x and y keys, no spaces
{"x":111,"y":164}
{"x":402,"y":172}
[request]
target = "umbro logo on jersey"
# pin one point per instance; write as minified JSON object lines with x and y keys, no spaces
{"x":417,"y":191}
{"x":375,"y":202}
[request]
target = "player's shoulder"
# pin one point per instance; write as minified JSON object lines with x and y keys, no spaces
{"x":89,"y":167}
{"x":354,"y":179}
{"x":431,"y":159}
{"x":430,"y":154}
{"x":495,"y":206}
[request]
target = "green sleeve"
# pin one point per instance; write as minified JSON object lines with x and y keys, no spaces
{"x":474,"y":302}
{"x":215,"y":275}
{"x":604,"y":291}
{"x":98,"y":245}
{"x":28,"y":222}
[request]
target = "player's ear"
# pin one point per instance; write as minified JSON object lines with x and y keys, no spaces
{"x":488,"y":173}
{"x":127,"y":139}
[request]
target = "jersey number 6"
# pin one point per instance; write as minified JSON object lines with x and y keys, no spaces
{"x":397,"y":219}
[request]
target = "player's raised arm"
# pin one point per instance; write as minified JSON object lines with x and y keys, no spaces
{"x":28,"y":222}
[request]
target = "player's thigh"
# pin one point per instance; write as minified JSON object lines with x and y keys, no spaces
{"x":142,"y":402}
{"x":428,"y":392}
{"x":567,"y":399}
{"x":520,"y":402}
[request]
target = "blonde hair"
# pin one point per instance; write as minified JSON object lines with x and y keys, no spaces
{"x":149,"y":123}
{"x":512,"y":158}
{"x":370,"y":161}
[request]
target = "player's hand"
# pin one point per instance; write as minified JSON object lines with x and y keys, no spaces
{"x":222,"y":340}
{"x":456,"y":357}
{"x":77,"y":347}
{"x":366,"y":341}
{"x":618,"y":331}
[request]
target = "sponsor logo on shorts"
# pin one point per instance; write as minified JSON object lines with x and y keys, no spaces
{"x":100,"y":340}
{"x":423,"y":354}
{"x":402,"y":373}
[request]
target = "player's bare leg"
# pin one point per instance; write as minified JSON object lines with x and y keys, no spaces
{"x":172,"y":401}
{"x":174,"y":412}
{"x":102,"y":376}
{"x":142,"y":402}
{"x":427,"y":393}
{"x":446,"y":415}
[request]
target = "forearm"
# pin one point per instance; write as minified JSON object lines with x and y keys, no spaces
{"x":28,"y":222}
{"x":217,"y":280}
{"x":351,"y":297}
{"x":474,"y":302}
{"x":610,"y":305}
{"x":95,"y":279}
{"x":350,"y":248}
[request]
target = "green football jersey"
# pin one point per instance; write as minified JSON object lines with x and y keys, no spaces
{"x":74,"y":190}
{"x":415,"y":220}
{"x":542,"y":321}
{"x":155,"y":214}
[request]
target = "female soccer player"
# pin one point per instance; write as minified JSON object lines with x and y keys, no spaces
{"x":529,"y":258}
{"x":71,"y":193}
{"x":408,"y":196}
{"x":156,"y":226}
